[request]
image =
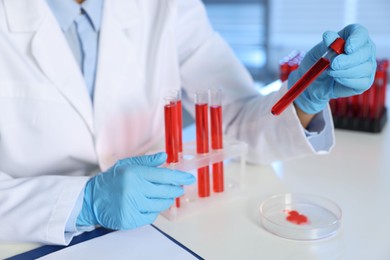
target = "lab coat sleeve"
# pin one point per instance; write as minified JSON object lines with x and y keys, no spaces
{"x":207,"y":61}
{"x":31,"y":216}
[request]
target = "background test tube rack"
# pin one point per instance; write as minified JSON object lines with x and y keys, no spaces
{"x":365,"y":112}
{"x":190,"y":161}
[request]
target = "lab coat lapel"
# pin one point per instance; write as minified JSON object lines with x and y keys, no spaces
{"x":117,"y":59}
{"x":51,"y":52}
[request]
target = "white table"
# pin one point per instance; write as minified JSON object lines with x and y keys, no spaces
{"x":356,"y":175}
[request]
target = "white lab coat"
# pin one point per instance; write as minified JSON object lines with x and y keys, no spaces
{"x":52,"y":137}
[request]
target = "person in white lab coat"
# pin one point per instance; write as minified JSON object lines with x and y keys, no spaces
{"x":83,"y":96}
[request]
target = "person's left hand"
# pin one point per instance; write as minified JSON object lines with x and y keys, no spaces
{"x":131,"y":193}
{"x":349,"y":74}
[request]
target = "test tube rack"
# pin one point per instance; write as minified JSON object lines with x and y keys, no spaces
{"x":365,"y":112}
{"x":190,"y":161}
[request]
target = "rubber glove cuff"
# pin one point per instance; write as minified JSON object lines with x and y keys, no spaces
{"x":87,"y":216}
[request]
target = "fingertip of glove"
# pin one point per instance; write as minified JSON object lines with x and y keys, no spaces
{"x":356,"y":38}
{"x":336,"y":63}
{"x":329,"y":37}
{"x":188,"y":178}
{"x":161,"y":156}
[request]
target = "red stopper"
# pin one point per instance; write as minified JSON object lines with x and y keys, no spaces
{"x":338,"y":45}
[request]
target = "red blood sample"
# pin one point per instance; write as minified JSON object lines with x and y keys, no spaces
{"x":333,"y":106}
{"x":172,"y":131}
{"x":171,"y":138}
{"x":342,"y":106}
{"x":201,"y":121}
{"x":380,"y":82}
{"x":284,"y":71}
{"x":204,"y":182}
{"x":217,"y":143}
{"x":295,"y":217}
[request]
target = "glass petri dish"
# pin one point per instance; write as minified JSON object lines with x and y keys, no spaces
{"x":300,"y":216}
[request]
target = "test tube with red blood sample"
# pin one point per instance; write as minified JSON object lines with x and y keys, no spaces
{"x":202,"y":140}
{"x":172,"y":132}
{"x":215,"y":103}
{"x":336,"y":48}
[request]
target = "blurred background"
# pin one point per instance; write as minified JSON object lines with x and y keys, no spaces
{"x":261,"y":32}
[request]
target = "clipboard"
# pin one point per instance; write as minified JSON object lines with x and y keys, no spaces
{"x":99,"y":232}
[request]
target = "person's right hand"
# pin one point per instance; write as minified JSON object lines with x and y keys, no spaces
{"x":350,"y":73}
{"x":131,"y":193}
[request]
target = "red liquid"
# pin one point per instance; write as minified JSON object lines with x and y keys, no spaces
{"x":296,"y":218}
{"x":172,"y":131}
{"x":321,"y":65}
{"x":180,"y":125}
{"x":202,"y":128}
{"x":171,"y":138}
{"x":381,"y":89}
{"x":202,"y":146}
{"x":372,"y":105}
{"x":217,"y":143}
{"x":216,"y":127}
{"x":204,"y":182}
{"x":284,"y":71}
{"x":354,"y":102}
{"x":342,"y":106}
{"x":333,"y":106}
{"x":218,"y":179}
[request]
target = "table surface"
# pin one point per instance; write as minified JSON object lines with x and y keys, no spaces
{"x":355,"y":175}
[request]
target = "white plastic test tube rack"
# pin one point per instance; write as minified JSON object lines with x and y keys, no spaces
{"x":190,"y":161}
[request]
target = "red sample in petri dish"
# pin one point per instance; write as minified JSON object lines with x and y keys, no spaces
{"x":295,"y":217}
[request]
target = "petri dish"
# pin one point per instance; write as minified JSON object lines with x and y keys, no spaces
{"x":300,"y":216}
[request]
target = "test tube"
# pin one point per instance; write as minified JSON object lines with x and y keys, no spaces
{"x":336,"y":48}
{"x":202,"y":140}
{"x":284,"y":70}
{"x":342,"y":106}
{"x":333,"y":106}
{"x":371,"y":93}
{"x":171,"y":132}
{"x":381,"y":83}
{"x":215,"y":103}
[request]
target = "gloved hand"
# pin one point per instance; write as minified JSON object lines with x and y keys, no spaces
{"x":349,"y":74}
{"x":131,"y":193}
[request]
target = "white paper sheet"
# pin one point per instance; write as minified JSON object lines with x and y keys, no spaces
{"x":141,"y":243}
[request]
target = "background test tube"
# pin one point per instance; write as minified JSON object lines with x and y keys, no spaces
{"x":202,"y":140}
{"x":215,"y":98}
{"x":336,"y":48}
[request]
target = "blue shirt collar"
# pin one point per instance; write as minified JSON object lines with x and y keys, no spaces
{"x":66,"y":11}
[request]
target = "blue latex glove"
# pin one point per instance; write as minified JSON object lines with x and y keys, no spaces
{"x":349,"y":74}
{"x":131,"y":193}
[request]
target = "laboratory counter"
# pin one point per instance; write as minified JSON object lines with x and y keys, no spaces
{"x":355,"y":175}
